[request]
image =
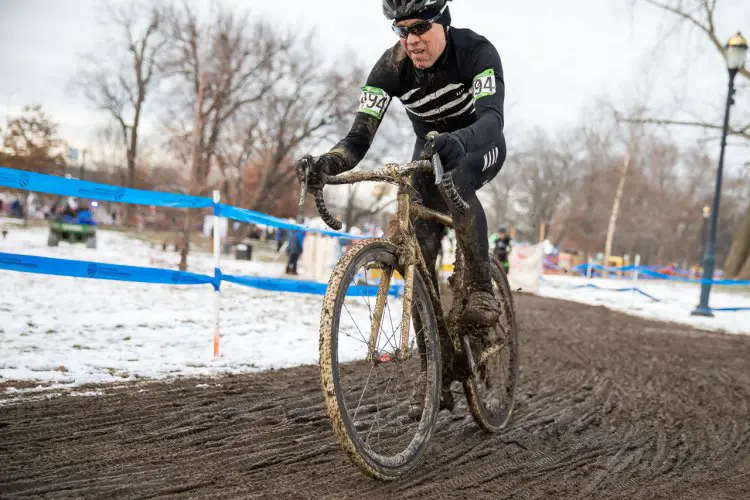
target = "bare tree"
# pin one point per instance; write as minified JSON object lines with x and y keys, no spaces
{"x":230,"y":63}
{"x":394,"y":142}
{"x":120,"y":82}
{"x":500,"y":194}
{"x":631,"y":135}
{"x":544,"y":170}
{"x":31,"y":143}
{"x":738,"y":260}
{"x":700,"y":15}
{"x":306,"y":109}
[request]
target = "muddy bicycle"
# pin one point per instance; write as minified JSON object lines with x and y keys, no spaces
{"x":386,"y":345}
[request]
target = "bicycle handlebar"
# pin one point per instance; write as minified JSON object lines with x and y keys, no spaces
{"x":392,"y":173}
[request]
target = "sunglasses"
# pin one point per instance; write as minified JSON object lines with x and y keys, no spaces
{"x":417,"y":29}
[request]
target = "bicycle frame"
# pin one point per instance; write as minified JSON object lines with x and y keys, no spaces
{"x":403,"y":236}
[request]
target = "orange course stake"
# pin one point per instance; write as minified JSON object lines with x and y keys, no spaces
{"x":216,"y":342}
{"x":217,"y":273}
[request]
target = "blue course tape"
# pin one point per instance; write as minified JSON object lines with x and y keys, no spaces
{"x":244,"y":215}
{"x":648,"y":271}
{"x":52,"y":184}
{"x":638,"y":290}
{"x":668,"y":277}
{"x":31,"y":181}
{"x":310,"y":287}
{"x":730,"y":309}
{"x":98,"y":270}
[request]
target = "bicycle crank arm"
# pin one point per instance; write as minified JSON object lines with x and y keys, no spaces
{"x":495,"y":349}
{"x":470,"y":364}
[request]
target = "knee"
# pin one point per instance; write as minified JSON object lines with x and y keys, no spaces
{"x":463,"y":179}
{"x":502,"y":150}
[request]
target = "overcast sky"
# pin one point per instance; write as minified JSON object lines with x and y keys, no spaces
{"x":558,"y":55}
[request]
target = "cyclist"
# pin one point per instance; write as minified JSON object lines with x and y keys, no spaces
{"x":449,"y":80}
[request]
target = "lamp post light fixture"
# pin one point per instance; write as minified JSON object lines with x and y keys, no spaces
{"x":736,"y":50}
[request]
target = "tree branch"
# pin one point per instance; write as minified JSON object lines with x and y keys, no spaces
{"x":741,"y":132}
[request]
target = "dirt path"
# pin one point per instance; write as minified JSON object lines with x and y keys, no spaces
{"x":609,"y":406}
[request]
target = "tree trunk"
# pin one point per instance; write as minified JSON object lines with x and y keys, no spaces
{"x":185,"y":242}
{"x":616,"y":208}
{"x":738,"y":259}
{"x":744,"y":273}
{"x":130,"y":182}
{"x":197,"y":153}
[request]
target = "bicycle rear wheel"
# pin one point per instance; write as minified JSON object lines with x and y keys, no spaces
{"x":490,"y":393}
{"x":369,"y":382}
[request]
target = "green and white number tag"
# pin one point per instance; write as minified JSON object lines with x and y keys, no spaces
{"x":484,"y":84}
{"x":373,"y":101}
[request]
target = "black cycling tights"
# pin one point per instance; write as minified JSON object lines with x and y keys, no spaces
{"x":476,"y":170}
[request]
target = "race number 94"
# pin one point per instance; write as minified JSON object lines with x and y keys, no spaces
{"x":373,"y":101}
{"x":484,"y":84}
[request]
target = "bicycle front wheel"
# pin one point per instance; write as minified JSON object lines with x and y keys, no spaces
{"x":373,"y":372}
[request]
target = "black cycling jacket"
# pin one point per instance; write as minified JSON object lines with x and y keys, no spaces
{"x":463,"y":92}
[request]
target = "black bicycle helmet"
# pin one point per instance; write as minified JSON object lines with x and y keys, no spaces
{"x":403,"y":9}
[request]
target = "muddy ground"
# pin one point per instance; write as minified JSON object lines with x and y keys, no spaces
{"x":609,"y":406}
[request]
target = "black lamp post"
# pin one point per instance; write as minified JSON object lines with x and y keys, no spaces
{"x":736,"y":49}
{"x":704,"y":232}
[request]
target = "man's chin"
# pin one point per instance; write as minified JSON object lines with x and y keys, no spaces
{"x":421,"y":64}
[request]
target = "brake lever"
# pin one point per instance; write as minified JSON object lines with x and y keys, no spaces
{"x":437,"y":165}
{"x":303,"y":177}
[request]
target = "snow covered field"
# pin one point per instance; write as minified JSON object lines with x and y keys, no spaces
{"x":71,"y":331}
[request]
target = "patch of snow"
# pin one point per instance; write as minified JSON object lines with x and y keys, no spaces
{"x":676,"y":300}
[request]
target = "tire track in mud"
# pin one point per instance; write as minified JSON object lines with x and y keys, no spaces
{"x":609,"y":406}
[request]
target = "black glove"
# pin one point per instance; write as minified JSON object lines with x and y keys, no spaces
{"x":320,"y":168}
{"x":451,"y":150}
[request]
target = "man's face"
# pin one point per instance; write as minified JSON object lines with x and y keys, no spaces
{"x":423,"y":50}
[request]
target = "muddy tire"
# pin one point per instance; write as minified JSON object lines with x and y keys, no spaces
{"x":399,"y":443}
{"x":491,"y":394}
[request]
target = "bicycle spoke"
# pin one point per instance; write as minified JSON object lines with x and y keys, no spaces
{"x":355,"y":325}
{"x":373,"y":402}
{"x":364,"y":389}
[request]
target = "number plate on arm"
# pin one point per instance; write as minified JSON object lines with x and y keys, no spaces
{"x":373,"y":101}
{"x":484,"y":84}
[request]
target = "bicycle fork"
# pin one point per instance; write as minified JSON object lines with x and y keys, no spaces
{"x":385,"y":280}
{"x":377,"y":315}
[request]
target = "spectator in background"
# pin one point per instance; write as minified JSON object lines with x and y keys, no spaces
{"x":294,"y":250}
{"x":280,"y":237}
{"x":500,"y":245}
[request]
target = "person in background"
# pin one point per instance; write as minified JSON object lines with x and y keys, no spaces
{"x":296,"y":239}
{"x":500,"y":244}
{"x":280,"y":237}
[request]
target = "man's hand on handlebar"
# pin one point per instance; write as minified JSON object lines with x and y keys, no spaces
{"x":319,"y":170}
{"x":451,"y":150}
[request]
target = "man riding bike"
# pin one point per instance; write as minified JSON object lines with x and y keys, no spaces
{"x":450,"y":80}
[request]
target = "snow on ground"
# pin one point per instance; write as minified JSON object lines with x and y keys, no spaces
{"x":73,"y":331}
{"x":676,"y":300}
{"x":65,"y":332}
